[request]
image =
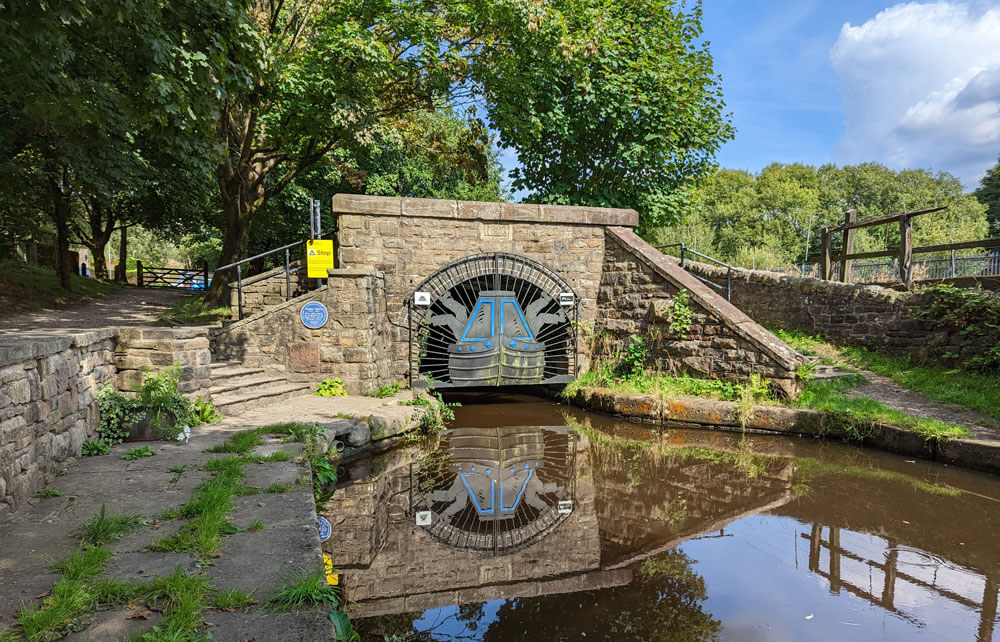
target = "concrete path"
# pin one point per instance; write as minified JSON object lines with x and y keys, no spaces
{"x":261,"y":560}
{"x":128,"y":306}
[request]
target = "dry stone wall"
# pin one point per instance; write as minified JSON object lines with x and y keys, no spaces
{"x":861,"y":315}
{"x":353,"y":345}
{"x":48,"y":405}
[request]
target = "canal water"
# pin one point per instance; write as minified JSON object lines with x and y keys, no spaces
{"x":530,"y":520}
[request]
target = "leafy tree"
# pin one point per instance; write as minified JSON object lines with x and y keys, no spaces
{"x":989,"y":195}
{"x":117,"y":75}
{"x":609,"y":103}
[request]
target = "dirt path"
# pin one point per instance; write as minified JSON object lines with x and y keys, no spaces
{"x":130,"y":306}
{"x":890,"y":393}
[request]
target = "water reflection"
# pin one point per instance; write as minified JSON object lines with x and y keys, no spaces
{"x":662,"y":535}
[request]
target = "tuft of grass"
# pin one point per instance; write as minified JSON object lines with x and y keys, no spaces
{"x":85,"y":562}
{"x":69,"y":600}
{"x":48,"y":493}
{"x":255,"y":526}
{"x":103,"y":528}
{"x":179,"y":469}
{"x":234,"y":598}
{"x":185,"y":597}
{"x":280,"y":487}
{"x":139,"y":453}
{"x":858,"y":415}
{"x":300,"y":592}
{"x":605,"y":375}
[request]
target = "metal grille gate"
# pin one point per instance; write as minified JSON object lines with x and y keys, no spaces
{"x":493,"y":319}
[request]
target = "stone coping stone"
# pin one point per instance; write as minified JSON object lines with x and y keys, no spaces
{"x":978,"y":454}
{"x":34,"y":345}
{"x":482,"y":211}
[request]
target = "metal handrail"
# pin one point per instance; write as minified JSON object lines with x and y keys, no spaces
{"x":287,"y":271}
{"x":729,"y":268}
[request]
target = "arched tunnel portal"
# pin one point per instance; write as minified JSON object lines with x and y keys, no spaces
{"x":493,"y":319}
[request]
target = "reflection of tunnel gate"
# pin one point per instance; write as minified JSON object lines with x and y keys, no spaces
{"x":491,"y":320}
{"x":496,"y":490}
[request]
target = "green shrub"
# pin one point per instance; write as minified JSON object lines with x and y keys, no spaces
{"x":158,"y":399}
{"x":139,"y":453}
{"x":118,"y":414}
{"x":634,"y":359}
{"x":680,"y":312}
{"x":91,"y":448}
{"x":331,"y":388}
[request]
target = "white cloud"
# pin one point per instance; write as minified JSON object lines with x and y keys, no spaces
{"x":920,"y":85}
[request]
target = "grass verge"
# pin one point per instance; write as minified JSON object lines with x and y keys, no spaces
{"x":972,"y":390}
{"x":25,"y":287}
{"x":193,"y":310}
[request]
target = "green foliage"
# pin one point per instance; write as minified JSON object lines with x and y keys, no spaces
{"x":386,"y":391}
{"x":118,"y":414}
{"x":974,"y":390}
{"x":856,"y":417}
{"x":435,"y":414}
{"x":83,"y":563}
{"x":234,"y":598}
{"x":976,"y":311}
{"x":26,"y":287}
{"x":92,"y":448}
{"x":103,"y":528}
{"x":634,"y":359}
{"x":48,"y":493}
{"x":193,"y":310}
{"x":755,"y":390}
{"x":605,"y":374}
{"x":989,"y":195}
{"x":167,"y":410}
{"x":300,"y":592}
{"x":680,"y":313}
{"x":139,"y":453}
{"x":331,"y":388}
{"x":619,"y":106}
{"x":765,"y":219}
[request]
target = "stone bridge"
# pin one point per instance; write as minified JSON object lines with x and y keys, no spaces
{"x":472,"y":293}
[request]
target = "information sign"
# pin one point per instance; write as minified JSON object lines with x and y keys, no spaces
{"x":314,"y":315}
{"x":319,"y":258}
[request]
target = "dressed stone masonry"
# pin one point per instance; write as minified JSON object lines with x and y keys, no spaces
{"x":141,"y":350}
{"x":385,"y":247}
{"x":48,"y":405}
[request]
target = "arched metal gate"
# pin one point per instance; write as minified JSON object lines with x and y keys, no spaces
{"x":493,"y":320}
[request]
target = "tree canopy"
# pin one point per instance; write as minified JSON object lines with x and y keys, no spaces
{"x":989,"y":195}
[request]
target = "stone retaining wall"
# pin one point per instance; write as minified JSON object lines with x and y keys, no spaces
{"x":48,"y":405}
{"x":353,"y":345}
{"x":144,"y":349}
{"x":861,"y":315}
{"x":637,"y":285}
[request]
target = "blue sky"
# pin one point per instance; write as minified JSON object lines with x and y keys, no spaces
{"x":909,"y":85}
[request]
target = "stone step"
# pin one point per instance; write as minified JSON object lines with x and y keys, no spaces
{"x":236,"y":403}
{"x":244,"y":383}
{"x":231,"y":374}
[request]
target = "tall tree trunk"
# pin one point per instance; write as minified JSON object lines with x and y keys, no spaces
{"x":60,"y":216}
{"x":236,"y":215}
{"x":120,"y":274}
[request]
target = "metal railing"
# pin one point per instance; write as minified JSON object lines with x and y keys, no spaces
{"x":727,"y":288}
{"x":287,"y":271}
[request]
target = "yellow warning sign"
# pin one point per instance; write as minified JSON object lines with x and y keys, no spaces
{"x":333,"y":579}
{"x":319,"y":258}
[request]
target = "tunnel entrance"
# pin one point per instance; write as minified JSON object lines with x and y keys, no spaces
{"x":493,"y":320}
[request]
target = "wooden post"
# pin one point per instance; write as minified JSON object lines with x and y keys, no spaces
{"x":204,"y":273}
{"x":906,"y":251}
{"x":826,"y":258}
{"x":138,"y":273}
{"x":850,"y":216}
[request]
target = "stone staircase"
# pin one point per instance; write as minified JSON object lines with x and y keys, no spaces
{"x":236,"y":389}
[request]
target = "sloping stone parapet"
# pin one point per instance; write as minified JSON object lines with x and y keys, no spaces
{"x":145,"y":349}
{"x":48,"y":405}
{"x":692,"y":412}
{"x":639,"y":281}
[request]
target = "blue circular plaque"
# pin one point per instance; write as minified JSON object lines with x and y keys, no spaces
{"x":314,"y":315}
{"x":324,"y":528}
